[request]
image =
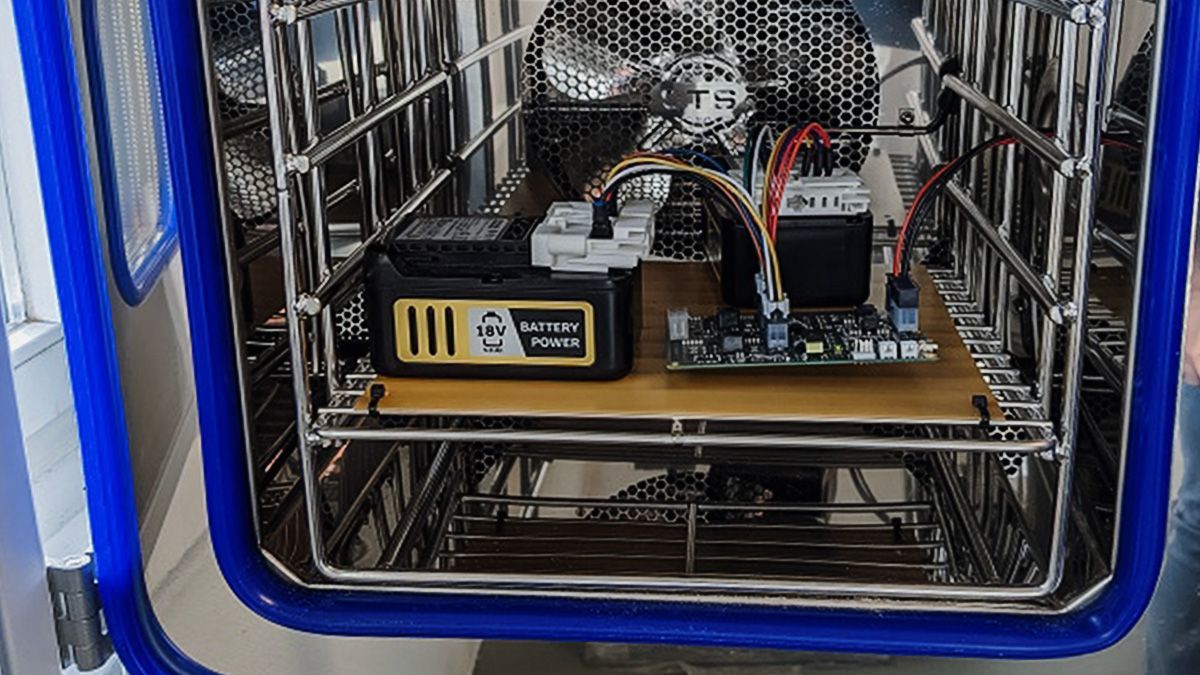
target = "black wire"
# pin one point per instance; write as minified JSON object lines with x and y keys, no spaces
{"x":807,"y":157}
{"x":933,"y":192}
{"x":816,"y":160}
{"x":920,"y":60}
{"x":947,"y":107}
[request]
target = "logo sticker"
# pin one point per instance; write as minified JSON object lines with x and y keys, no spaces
{"x":702,"y":93}
{"x":531,"y":332}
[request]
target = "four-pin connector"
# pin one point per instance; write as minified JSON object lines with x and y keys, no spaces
{"x":776,"y":317}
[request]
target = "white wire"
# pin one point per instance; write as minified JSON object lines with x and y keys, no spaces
{"x":726,"y":180}
{"x":756,"y":153}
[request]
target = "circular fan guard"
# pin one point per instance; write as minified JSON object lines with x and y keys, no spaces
{"x":604,"y":78}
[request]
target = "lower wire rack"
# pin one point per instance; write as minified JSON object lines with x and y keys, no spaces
{"x":480,"y":511}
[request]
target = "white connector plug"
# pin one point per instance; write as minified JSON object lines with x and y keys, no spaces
{"x":776,"y":316}
{"x":563,"y":241}
{"x":842,"y":194}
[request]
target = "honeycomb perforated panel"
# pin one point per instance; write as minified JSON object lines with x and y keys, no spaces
{"x":673,"y":487}
{"x":604,"y":78}
{"x":241,"y":101}
{"x":1133,"y":89}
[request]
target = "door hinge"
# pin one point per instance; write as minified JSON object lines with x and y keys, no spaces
{"x":82,"y":636}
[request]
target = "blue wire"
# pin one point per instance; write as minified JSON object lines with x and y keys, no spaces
{"x":748,"y":220}
{"x":697,"y":155}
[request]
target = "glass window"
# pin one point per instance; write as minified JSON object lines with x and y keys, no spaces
{"x":132,"y":142}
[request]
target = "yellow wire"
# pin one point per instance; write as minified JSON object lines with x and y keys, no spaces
{"x":770,"y":170}
{"x":721,"y":182}
{"x":725,"y":185}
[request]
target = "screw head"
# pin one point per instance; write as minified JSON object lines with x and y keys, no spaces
{"x":308,"y":305}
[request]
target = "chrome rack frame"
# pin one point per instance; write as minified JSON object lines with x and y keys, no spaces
{"x":382,"y":95}
{"x":1075,"y":171}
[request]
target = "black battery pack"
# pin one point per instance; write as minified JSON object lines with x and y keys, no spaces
{"x":825,"y":261}
{"x":461,"y":300}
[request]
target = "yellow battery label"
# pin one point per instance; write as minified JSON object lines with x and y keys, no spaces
{"x":487,"y":332}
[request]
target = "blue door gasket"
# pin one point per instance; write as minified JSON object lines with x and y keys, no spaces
{"x":62,"y":162}
{"x":48,"y":59}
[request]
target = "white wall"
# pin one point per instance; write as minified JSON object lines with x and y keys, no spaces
{"x":39,"y":357}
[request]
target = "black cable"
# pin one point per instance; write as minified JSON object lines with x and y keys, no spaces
{"x":955,"y":166}
{"x":807,"y":160}
{"x":948,"y":106}
{"x":935,"y":189}
{"x":901,"y":68}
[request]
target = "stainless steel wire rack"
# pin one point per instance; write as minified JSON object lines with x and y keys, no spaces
{"x":340,"y":118}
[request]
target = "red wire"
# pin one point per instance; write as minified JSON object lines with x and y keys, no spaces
{"x":896,"y":264}
{"x":912,"y":210}
{"x":783,"y":172}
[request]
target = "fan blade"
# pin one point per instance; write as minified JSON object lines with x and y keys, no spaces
{"x":578,"y":69}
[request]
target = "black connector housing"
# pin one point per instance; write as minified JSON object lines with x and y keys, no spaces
{"x":825,"y":261}
{"x":602,"y":227}
{"x":904,"y":303}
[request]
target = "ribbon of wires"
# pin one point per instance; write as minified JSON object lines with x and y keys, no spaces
{"x":818,"y":160}
{"x":712,"y":177}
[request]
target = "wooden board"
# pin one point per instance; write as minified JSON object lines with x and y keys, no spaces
{"x":922,"y":391}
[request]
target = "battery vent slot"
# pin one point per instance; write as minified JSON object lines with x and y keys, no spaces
{"x":426,"y":331}
{"x":451,"y":346}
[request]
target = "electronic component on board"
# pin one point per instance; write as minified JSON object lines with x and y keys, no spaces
{"x":904,"y":303}
{"x":823,"y":242}
{"x":860,"y":336}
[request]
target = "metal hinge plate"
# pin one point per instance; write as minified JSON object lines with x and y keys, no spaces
{"x":82,"y":636}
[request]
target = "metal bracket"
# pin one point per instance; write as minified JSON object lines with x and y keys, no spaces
{"x":1064,"y":313}
{"x":284,"y":14}
{"x":297,"y":163}
{"x":78,"y":621}
{"x":308,"y":305}
{"x":677,"y":431}
{"x":1093,"y":15}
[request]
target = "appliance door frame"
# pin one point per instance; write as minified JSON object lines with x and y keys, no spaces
{"x":49,"y":61}
{"x":27,"y":643}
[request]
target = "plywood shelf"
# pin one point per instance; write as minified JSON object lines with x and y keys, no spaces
{"x":917,"y":392}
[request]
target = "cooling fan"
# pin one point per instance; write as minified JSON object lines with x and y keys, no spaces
{"x":605,"y":78}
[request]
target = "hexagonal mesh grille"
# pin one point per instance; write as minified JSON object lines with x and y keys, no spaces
{"x":703,"y":487}
{"x":352,"y":319}
{"x":604,"y":78}
{"x":681,"y":487}
{"x":241,"y":100}
{"x":1133,"y":91}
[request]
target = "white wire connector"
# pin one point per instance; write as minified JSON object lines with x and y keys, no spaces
{"x":563,"y":241}
{"x":765,"y":304}
{"x":842,"y":194}
{"x":776,"y":317}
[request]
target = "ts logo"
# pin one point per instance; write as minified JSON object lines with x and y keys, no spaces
{"x":713,"y":99}
{"x":702,"y":93}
